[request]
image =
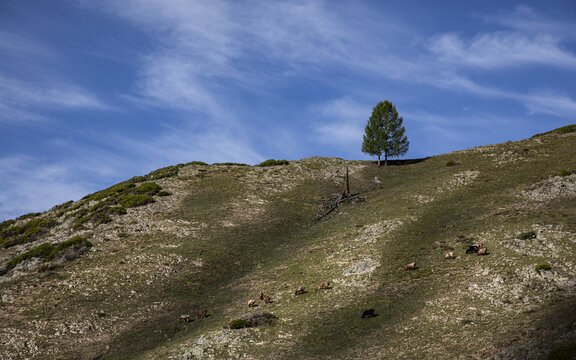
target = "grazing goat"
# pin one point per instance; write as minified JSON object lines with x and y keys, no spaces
{"x":474,"y":248}
{"x":267,"y":299}
{"x":449,"y":255}
{"x":482,"y":251}
{"x":252,"y":303}
{"x":261,"y":296}
{"x":300,"y":290}
{"x":324,"y":285}
{"x":368,"y":314}
{"x":202,"y":314}
{"x":410,"y":266}
{"x":184,"y":318}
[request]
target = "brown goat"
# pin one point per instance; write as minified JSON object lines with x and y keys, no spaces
{"x":300,"y":290}
{"x":324,"y":285}
{"x":410,"y":266}
{"x":184,"y":318}
{"x":267,"y":299}
{"x":202,"y":314}
{"x":482,"y":251}
{"x":261,"y":296}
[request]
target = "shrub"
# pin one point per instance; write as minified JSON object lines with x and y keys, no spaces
{"x":25,"y":233}
{"x":564,"y":172}
{"x":452,"y":163}
{"x":231,"y":164}
{"x":564,"y":352}
{"x":196,"y":163}
{"x":542,"y":267}
{"x":41,"y":251}
{"x":254,"y":319}
{"x":135,"y":200}
{"x":76,"y":241}
{"x":562,"y":130}
{"x":272,"y":162}
{"x":47,"y":251}
{"x":165,"y":172}
{"x":527,"y":235}
{"x":148,"y":188}
{"x":164,"y":193}
{"x":240,"y":324}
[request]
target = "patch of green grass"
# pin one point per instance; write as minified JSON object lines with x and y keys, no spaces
{"x":272,"y":162}
{"x":240,"y":324}
{"x":564,"y":172}
{"x":452,"y":163}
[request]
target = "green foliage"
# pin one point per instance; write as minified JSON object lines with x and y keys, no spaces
{"x":47,"y":251}
{"x":32,"y":230}
{"x":148,"y":188}
{"x":564,"y":352}
{"x":542,"y":267}
{"x":135,"y":200}
{"x":526,"y":235}
{"x":230,"y":164}
{"x":452,"y":163}
{"x":42,"y":251}
{"x":196,"y":163}
{"x":564,"y":172}
{"x":28,"y":216}
{"x":384,"y":133}
{"x":272,"y":162}
{"x":164,"y":193}
{"x":75,"y":241}
{"x":240,"y":324}
{"x":563,"y":130}
{"x":169,"y":171}
{"x":254,"y":319}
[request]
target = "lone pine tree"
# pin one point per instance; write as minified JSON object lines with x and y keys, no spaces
{"x":384,"y":133}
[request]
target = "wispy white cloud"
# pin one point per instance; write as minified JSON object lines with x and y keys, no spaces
{"x":340,"y":122}
{"x":502,"y":49}
{"x":29,"y":185}
{"x":24,"y":101}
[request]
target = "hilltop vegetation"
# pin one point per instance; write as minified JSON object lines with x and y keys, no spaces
{"x":221,"y":234}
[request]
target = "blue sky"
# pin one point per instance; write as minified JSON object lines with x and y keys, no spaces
{"x":95,"y":92}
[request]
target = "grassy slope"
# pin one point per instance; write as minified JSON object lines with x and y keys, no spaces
{"x":241,"y":230}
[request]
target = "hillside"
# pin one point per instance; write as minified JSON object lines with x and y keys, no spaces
{"x":109,"y":276}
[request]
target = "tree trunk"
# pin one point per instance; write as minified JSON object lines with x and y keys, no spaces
{"x":347,"y":183}
{"x":379,"y":164}
{"x":385,"y":159}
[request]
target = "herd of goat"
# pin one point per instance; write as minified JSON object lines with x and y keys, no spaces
{"x":477,"y":248}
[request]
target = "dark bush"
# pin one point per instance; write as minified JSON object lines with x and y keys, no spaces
{"x":76,"y":241}
{"x":240,"y":324}
{"x":272,"y":162}
{"x":164,"y":193}
{"x":253,"y":319}
{"x":231,"y":164}
{"x":196,"y":163}
{"x":165,"y":172}
{"x":133,"y":200}
{"x":47,"y":251}
{"x":28,"y":232}
{"x":564,"y":352}
{"x":452,"y":163}
{"x":148,"y":188}
{"x":542,"y":267}
{"x":527,"y":235}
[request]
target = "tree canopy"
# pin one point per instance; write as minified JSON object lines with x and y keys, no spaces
{"x":384,"y":133}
